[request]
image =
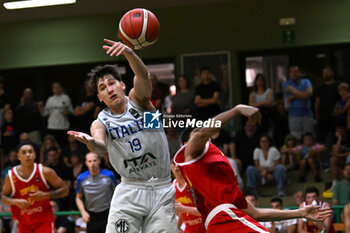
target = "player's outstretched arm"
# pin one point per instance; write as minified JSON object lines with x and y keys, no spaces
{"x":313,"y":213}
{"x":196,"y":144}
{"x":142,"y":90}
{"x":60,"y":189}
{"x":96,"y":143}
{"x":8,"y":200}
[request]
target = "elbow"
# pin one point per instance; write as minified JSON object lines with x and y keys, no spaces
{"x":65,"y":191}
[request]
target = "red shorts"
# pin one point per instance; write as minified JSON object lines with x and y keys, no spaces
{"x":234,"y":220}
{"x":43,"y":227}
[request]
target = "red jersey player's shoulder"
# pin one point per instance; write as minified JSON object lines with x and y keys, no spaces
{"x":180,"y":155}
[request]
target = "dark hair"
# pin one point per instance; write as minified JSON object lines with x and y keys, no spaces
{"x":100,"y":71}
{"x":250,"y":193}
{"x":277,"y":199}
{"x":268,"y":138}
{"x":52,"y":148}
{"x":293,"y":66}
{"x":312,"y":189}
{"x":186,"y":79}
{"x":205,"y":68}
{"x":255,"y":88}
{"x":24,"y":144}
{"x":290,"y":137}
{"x":308,"y":134}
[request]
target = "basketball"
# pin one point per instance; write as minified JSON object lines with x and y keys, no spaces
{"x":139,"y":28}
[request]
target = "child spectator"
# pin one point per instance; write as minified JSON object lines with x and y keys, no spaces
{"x":309,"y":154}
{"x":342,"y":108}
{"x":288,"y":152}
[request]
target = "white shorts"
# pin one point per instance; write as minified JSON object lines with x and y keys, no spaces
{"x":147,"y":205}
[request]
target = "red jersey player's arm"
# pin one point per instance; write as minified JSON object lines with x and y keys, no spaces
{"x":60,"y":188}
{"x":8,"y":200}
{"x":199,"y":138}
{"x":313,"y":213}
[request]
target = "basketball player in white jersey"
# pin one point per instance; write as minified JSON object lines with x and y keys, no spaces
{"x":145,"y":198}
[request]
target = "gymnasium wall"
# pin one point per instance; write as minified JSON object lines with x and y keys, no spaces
{"x":237,"y":25}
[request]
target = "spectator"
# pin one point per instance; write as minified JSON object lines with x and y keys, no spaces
{"x":279,"y":116}
{"x":5,"y":100}
{"x":174,"y":141}
{"x":84,"y":113}
{"x":244,"y":143}
{"x":297,"y":92}
{"x":12,"y":161}
{"x":342,"y":188}
{"x":95,"y":189}
{"x":288,"y":152}
{"x":28,"y":116}
{"x":72,"y":147}
{"x":326,"y":98}
{"x":309,"y":155}
{"x":9,"y":132}
{"x":207,"y":95}
{"x":62,"y":223}
{"x":305,"y":225}
{"x":158,"y":94}
{"x":298,"y":197}
{"x":342,"y":108}
{"x":340,"y":151}
{"x":283,"y":226}
{"x":261,"y":97}
{"x":78,"y":165}
{"x":253,"y":198}
{"x":58,"y":107}
{"x":267,"y":166}
{"x":167,"y":103}
{"x":48,"y":142}
{"x":183,"y":99}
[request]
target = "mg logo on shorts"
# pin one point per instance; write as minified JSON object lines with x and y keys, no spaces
{"x":151,"y":120}
{"x":122,"y":226}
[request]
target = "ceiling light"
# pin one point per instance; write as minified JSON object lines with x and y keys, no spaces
{"x":35,"y":3}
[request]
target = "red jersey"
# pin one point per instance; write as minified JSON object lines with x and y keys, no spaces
{"x":194,"y":224}
{"x":311,"y":227}
{"x":211,"y":178}
{"x":38,"y":211}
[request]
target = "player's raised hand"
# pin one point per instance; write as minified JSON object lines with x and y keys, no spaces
{"x":22,"y":203}
{"x":115,"y":48}
{"x":81,"y":137}
{"x":251,"y":112}
{"x":314,"y":213}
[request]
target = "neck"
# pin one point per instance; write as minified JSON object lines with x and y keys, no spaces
{"x":26,"y":170}
{"x":181,"y":181}
{"x":94,"y":173}
{"x":329,"y":81}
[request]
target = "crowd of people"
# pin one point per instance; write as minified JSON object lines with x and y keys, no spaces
{"x":292,"y":136}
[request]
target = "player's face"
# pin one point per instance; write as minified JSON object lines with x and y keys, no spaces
{"x":26,"y":155}
{"x":310,"y":197}
{"x":110,"y":90}
{"x":92,"y":162}
{"x":276,"y":205}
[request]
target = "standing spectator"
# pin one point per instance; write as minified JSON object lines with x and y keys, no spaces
{"x":244,"y":143}
{"x":340,"y":151}
{"x":27,"y":190}
{"x":283,"y":226}
{"x":183,"y":99}
{"x":262,"y":97}
{"x":58,"y":107}
{"x":158,"y":94}
{"x":267,"y":167}
{"x":28,"y":116}
{"x":84,"y":113}
{"x":342,"y":108}
{"x":279,"y":116}
{"x":297,"y":91}
{"x":167,"y":103}
{"x":95,"y":189}
{"x":288,"y":152}
{"x":326,"y":98}
{"x":5,"y":99}
{"x":72,"y":146}
{"x":305,"y":225}
{"x":342,"y":188}
{"x":207,"y":95}
{"x":309,"y":155}
{"x":9,"y":132}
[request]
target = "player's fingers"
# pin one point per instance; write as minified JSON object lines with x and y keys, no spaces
{"x":106,"y":47}
{"x":118,"y":48}
{"x":111,"y":42}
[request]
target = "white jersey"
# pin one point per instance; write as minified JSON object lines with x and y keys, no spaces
{"x":135,"y":152}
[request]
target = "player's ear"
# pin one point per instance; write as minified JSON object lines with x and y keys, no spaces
{"x":123,"y":85}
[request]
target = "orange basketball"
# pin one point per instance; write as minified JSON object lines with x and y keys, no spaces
{"x":139,"y":28}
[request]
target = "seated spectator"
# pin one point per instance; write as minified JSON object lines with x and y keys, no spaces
{"x":48,"y":142}
{"x":340,"y":151}
{"x":12,"y":161}
{"x":305,"y":225}
{"x":244,"y":143}
{"x":70,"y":148}
{"x":298,"y":197}
{"x":342,"y":108}
{"x":283,"y":226}
{"x":288,"y":152}
{"x":347,"y":216}
{"x":267,"y":166}
{"x":342,"y":188}
{"x":62,"y":223}
{"x":262,"y":97}
{"x":309,"y":154}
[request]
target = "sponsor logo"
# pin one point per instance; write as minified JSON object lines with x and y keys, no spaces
{"x":134,"y":113}
{"x":122,"y":226}
{"x":141,"y":162}
{"x":152,"y":120}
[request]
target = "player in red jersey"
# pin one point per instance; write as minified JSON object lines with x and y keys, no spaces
{"x":27,"y":191}
{"x":217,"y":196}
{"x":184,"y":204}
